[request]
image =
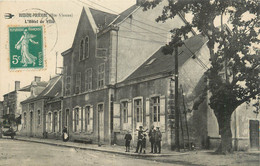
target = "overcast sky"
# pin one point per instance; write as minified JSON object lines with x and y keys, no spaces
{"x":63,"y":31}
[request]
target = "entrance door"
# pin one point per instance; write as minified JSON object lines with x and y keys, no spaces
{"x":254,"y":133}
{"x":101,"y":122}
{"x":31,"y":123}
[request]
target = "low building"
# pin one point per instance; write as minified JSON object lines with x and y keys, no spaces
{"x":41,"y":115}
{"x":145,"y":97}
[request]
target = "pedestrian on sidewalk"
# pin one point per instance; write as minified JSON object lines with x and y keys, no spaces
{"x":158,"y":139}
{"x":139,"y":139}
{"x":143,"y":143}
{"x":151,"y":135}
{"x":65,"y":136}
{"x":128,"y":138}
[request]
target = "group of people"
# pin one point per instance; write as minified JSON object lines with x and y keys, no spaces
{"x":155,"y":138}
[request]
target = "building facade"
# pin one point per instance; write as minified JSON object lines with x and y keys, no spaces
{"x":107,"y":48}
{"x":41,"y":116}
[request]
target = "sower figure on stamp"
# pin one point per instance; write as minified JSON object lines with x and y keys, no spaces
{"x":128,"y":138}
{"x":23,"y":44}
{"x":158,"y":139}
{"x":151,"y":135}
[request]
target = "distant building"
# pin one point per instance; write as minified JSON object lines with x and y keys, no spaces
{"x":11,"y":103}
{"x":41,"y":115}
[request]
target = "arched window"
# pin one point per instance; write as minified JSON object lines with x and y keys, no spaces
{"x":86,"y":51}
{"x":81,"y":48}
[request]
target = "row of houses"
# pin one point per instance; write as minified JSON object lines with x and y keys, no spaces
{"x":116,"y":78}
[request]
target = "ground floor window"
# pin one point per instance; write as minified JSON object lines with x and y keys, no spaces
{"x":124,"y":111}
{"x":24,"y":119}
{"x":156,"y":109}
{"x":49,"y":122}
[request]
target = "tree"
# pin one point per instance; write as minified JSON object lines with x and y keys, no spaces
{"x":233,"y":77}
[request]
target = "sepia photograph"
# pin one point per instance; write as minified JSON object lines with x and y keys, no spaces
{"x":129,"y":82}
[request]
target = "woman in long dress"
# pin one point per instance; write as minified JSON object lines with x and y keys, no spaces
{"x":23,"y":44}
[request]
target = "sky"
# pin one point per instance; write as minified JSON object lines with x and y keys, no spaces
{"x":58,"y":36}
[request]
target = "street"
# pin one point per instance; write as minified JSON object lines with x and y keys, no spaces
{"x":21,"y":153}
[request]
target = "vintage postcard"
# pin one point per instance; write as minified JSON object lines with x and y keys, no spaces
{"x":129,"y":82}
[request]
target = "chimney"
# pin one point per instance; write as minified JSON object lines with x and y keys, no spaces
{"x":17,"y":85}
{"x":37,"y":78}
{"x":139,"y":2}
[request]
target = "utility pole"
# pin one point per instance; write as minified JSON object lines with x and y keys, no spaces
{"x":177,"y":116}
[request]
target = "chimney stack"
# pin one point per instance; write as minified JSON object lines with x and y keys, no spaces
{"x":37,"y":78}
{"x":139,"y":2}
{"x":17,"y":85}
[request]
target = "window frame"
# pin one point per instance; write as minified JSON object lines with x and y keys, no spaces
{"x":124,"y":111}
{"x":139,"y":116}
{"x":88,"y":79}
{"x":81,"y":49}
{"x":99,"y":74}
{"x":156,"y":112}
{"x":77,"y":82}
{"x":86,"y":47}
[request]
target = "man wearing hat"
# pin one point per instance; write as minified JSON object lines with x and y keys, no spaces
{"x":139,"y":139}
{"x":158,"y":139}
{"x":151,"y":138}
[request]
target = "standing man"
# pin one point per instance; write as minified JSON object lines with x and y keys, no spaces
{"x":151,"y":135}
{"x":158,"y":139}
{"x":139,"y":139}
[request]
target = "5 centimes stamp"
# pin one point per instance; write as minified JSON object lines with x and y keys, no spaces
{"x":26,"y":47}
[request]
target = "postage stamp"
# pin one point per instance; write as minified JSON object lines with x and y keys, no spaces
{"x":26,"y":47}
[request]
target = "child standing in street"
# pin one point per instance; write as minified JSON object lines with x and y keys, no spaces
{"x":144,"y":142}
{"x":128,"y":138}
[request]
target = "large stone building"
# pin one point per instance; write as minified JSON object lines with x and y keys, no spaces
{"x":107,"y":51}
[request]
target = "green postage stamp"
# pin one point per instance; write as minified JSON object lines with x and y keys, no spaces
{"x":26,"y":47}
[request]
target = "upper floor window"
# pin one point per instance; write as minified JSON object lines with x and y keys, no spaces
{"x":67,"y":85}
{"x":156,"y":109}
{"x":81,"y":50}
{"x":101,"y":75}
{"x":88,"y":79}
{"x":78,"y":82}
{"x":86,"y":50}
{"x":124,"y":111}
{"x":138,"y":107}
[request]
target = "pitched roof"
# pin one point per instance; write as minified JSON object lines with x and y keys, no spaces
{"x":52,"y":90}
{"x":102,"y":18}
{"x":125,"y":13}
{"x":39,"y":84}
{"x":160,"y":63}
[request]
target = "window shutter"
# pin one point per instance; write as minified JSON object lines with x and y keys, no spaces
{"x":147,"y":112}
{"x":162,"y":113}
{"x":58,"y":121}
{"x":116,"y":117}
{"x":46,"y":122}
{"x":84,"y":119}
{"x":73,"y":120}
{"x":79,"y":126}
{"x":90,"y":127}
{"x":51,"y":128}
{"x":129,"y":114}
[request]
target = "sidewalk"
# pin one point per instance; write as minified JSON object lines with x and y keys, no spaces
{"x":104,"y":148}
